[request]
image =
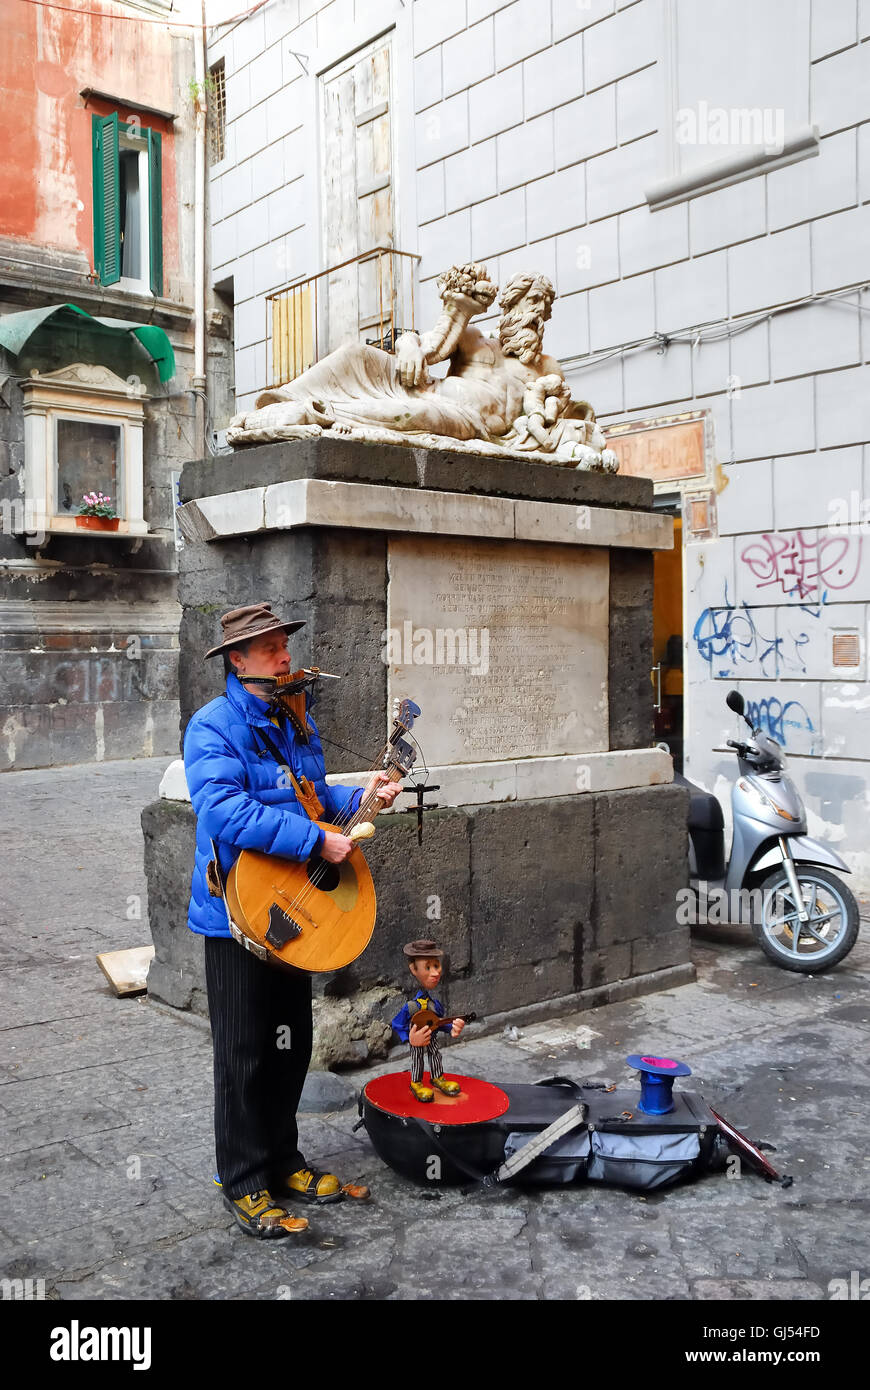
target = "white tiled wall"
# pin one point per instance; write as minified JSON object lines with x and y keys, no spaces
{"x":529,"y":133}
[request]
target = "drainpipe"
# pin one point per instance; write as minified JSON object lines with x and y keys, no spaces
{"x":199,"y":375}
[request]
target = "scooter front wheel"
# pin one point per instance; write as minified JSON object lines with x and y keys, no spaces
{"x":815,"y":945}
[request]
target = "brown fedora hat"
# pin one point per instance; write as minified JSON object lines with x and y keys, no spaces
{"x":415,"y":949}
{"x":241,"y":624}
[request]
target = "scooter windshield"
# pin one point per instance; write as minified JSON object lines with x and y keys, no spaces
{"x":772,"y":750}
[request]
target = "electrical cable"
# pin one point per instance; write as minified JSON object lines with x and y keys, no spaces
{"x":718,"y":330}
{"x":139,"y":19}
{"x":353,"y":752}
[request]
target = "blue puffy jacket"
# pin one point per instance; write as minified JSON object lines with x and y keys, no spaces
{"x":240,"y":797}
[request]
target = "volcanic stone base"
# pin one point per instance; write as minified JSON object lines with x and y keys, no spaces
{"x":177,"y":973}
{"x":336,"y":582}
{"x":541,"y":905}
{"x":339,"y":459}
{"x":335,"y":579}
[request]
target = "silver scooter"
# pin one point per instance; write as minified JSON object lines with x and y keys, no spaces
{"x":778,"y":878}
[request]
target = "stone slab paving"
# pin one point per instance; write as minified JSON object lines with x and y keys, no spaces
{"x":105,"y":1116}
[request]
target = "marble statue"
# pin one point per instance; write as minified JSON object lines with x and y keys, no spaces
{"x":500,"y":395}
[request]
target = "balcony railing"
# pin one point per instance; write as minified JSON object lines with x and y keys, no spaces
{"x":369,"y":298}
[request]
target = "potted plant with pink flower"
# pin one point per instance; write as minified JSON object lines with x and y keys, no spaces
{"x":97,"y":513}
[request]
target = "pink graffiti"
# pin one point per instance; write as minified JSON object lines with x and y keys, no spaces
{"x":802,"y":563}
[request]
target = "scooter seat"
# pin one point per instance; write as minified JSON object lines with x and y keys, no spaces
{"x":705,"y":812}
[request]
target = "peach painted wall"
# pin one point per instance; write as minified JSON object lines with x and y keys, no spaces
{"x":47,"y":56}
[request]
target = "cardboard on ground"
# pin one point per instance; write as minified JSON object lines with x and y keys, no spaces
{"x":127,"y":971}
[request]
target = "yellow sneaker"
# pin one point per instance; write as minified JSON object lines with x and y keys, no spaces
{"x":260,"y":1216}
{"x":447,"y":1088}
{"x":421,"y":1092}
{"x":306,"y":1185}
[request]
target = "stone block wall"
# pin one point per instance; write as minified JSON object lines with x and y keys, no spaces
{"x":340,"y":594}
{"x":541,"y":905}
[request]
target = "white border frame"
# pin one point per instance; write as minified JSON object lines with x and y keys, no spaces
{"x":80,"y":392}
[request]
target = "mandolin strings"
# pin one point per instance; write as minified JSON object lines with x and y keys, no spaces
{"x":348,"y":820}
{"x":346,"y":824}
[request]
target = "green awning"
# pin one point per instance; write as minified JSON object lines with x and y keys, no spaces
{"x":16,"y":329}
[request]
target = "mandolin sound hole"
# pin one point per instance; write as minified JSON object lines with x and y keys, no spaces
{"x":324,"y":876}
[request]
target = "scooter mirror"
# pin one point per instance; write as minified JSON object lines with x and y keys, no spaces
{"x":735,"y":701}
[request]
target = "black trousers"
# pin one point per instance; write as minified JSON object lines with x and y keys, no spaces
{"x":261,"y":1032}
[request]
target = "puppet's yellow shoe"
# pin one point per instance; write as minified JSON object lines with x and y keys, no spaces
{"x":447,"y":1088}
{"x":421,"y":1092}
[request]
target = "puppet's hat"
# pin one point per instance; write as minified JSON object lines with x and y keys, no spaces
{"x":415,"y":949}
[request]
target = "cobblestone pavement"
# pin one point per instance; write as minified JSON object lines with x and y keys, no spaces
{"x":106,"y":1156}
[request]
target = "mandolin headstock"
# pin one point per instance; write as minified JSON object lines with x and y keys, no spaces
{"x":403,"y":721}
{"x":401,"y":755}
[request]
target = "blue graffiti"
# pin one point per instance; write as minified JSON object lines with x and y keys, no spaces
{"x":775,"y":718}
{"x":731,"y":631}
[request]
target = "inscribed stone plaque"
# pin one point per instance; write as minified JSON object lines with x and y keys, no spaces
{"x":660,"y":449}
{"x":503,"y":644}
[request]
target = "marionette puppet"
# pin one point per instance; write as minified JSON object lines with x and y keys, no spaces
{"x":425,"y":964}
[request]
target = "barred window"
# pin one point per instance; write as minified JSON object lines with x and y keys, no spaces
{"x":217,"y":112}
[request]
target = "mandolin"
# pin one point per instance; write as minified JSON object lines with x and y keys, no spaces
{"x":427,"y":1018}
{"x":315,"y":916}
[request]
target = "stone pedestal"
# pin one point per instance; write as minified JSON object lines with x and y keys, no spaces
{"x":513,"y":602}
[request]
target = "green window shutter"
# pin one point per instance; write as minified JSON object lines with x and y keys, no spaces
{"x":107,"y":213}
{"x":155,"y":209}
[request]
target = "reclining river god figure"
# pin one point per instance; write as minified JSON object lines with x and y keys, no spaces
{"x":501,"y":396}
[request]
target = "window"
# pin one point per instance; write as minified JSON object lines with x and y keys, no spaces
{"x":128,"y":213}
{"x":358,"y":188}
{"x":217,"y":113}
{"x":82,"y":433}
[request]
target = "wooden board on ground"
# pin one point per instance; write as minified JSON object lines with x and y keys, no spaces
{"x":127,"y":971}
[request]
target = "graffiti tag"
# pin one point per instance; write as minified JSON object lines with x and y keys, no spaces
{"x":776,"y":719}
{"x":807,"y":565}
{"x":731,"y":632}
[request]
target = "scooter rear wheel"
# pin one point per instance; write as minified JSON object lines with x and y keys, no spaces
{"x":816,"y":945}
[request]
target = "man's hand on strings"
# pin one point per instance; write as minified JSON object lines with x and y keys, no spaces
{"x":387,"y":790}
{"x":336,"y":848}
{"x":419,"y":1036}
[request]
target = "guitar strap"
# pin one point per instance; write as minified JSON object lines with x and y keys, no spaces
{"x":217,"y":888}
{"x":304,"y":790}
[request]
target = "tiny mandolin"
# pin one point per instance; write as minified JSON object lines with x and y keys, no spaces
{"x":427,"y":1018}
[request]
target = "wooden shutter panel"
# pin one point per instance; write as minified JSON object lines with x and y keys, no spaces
{"x":155,"y":209}
{"x":107,"y":213}
{"x":357,"y":192}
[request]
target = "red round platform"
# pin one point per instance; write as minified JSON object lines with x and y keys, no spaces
{"x":477,"y":1101}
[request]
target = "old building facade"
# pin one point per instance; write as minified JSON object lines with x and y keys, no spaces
{"x":116,"y":363}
